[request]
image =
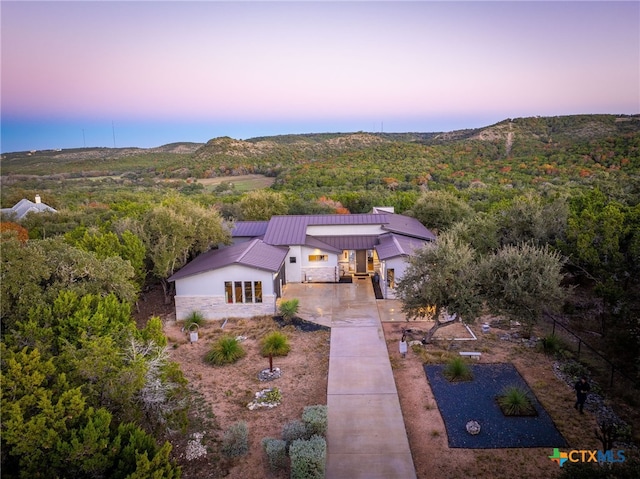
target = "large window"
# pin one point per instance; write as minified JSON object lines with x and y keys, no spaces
{"x":243,"y":291}
{"x":318,"y":257}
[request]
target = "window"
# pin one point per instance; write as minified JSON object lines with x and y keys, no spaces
{"x":292,"y":259}
{"x":391,"y":278}
{"x":243,"y":291}
{"x":318,"y":257}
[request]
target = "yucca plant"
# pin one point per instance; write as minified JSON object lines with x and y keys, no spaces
{"x":457,"y":370}
{"x":289,"y":309}
{"x":225,"y":350}
{"x":515,"y":401}
{"x":275,"y":343}
{"x":195,"y":317}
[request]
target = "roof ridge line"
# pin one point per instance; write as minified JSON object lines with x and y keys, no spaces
{"x":250,"y":247}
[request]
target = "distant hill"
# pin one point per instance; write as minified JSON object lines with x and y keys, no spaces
{"x":511,"y":138}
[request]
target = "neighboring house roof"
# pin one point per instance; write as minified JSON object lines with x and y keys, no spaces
{"x":392,"y":245}
{"x":25,"y":206}
{"x":249,"y":228}
{"x":254,"y":253}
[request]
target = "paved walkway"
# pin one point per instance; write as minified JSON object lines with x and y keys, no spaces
{"x":366,"y":435}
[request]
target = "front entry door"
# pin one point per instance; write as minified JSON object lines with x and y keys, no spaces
{"x":361,"y":261}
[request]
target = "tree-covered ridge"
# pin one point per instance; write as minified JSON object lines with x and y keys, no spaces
{"x":553,"y":141}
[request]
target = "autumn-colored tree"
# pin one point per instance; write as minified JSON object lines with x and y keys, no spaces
{"x":21,"y":233}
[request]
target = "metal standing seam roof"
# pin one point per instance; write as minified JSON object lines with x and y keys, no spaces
{"x":249,"y":228}
{"x":292,"y":230}
{"x":254,"y":253}
{"x":319,"y":243}
{"x":392,"y":245}
{"x":350,"y":242}
{"x":408,"y":226}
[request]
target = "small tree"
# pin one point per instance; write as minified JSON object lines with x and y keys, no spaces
{"x":275,"y":343}
{"x":441,"y":275}
{"x":289,"y":309}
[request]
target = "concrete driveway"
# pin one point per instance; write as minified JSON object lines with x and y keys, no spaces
{"x":332,"y":304}
{"x":366,"y":435}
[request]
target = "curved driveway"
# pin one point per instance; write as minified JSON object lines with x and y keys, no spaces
{"x":366,"y":436}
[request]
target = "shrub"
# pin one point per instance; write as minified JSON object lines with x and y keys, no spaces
{"x":195,"y":317}
{"x":552,"y":345}
{"x":225,"y":350}
{"x":515,"y":401}
{"x":574,"y":369}
{"x":457,"y":370}
{"x":289,"y":309}
{"x":276,"y":450}
{"x":235,"y":441}
{"x":293,"y":431}
{"x":315,"y":419}
{"x":308,"y":458}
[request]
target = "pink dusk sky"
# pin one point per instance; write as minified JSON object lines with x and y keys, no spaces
{"x":153,"y":72}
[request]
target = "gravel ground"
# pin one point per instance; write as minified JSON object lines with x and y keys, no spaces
{"x":461,"y":402}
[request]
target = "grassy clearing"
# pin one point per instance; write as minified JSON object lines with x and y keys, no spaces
{"x":240,"y":183}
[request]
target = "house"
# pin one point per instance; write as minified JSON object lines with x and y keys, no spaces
{"x":245,"y":279}
{"x":24,"y":207}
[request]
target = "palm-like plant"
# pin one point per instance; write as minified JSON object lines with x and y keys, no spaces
{"x":275,"y":343}
{"x":289,"y":309}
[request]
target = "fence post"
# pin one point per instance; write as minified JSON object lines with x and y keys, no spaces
{"x":611,"y":380}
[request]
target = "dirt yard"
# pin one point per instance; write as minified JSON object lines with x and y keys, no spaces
{"x":225,"y":391}
{"x":228,"y":389}
{"x":426,"y":431}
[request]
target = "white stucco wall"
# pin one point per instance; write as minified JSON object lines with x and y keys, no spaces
{"x":318,"y":271}
{"x":205,"y":293}
{"x":293,"y":270}
{"x":399,"y":265}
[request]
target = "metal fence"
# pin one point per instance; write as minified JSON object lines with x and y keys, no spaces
{"x":604,"y":369}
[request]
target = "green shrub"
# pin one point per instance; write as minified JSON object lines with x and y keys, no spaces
{"x":289,"y":309}
{"x":225,"y":350}
{"x":457,"y":369}
{"x":195,"y":317}
{"x":235,"y":441}
{"x":515,"y":401}
{"x":308,"y":458}
{"x":293,"y":431}
{"x":276,"y":450}
{"x":552,"y":345}
{"x":574,"y":369}
{"x":315,"y":419}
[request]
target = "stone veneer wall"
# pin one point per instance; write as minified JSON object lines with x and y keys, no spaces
{"x":215,"y":307}
{"x":325,"y":274}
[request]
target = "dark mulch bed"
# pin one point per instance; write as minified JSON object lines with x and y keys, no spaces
{"x":460,"y":402}
{"x":301,"y":324}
